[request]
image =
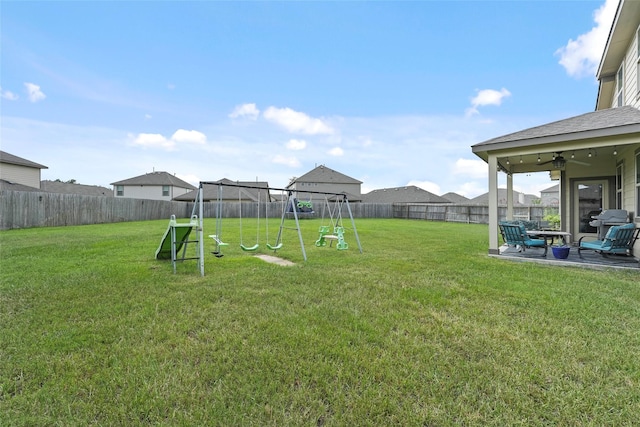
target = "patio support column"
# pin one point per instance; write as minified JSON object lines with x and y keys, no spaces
{"x":509,"y":197}
{"x":493,"y":204}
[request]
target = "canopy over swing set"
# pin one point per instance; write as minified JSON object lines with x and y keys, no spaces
{"x":335,"y":216}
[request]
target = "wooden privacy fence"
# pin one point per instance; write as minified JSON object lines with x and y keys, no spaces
{"x":472,"y":214}
{"x":24,"y":209}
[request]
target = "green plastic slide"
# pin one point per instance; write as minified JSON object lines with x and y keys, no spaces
{"x":182,"y":235}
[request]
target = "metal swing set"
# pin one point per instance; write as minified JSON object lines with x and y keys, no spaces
{"x":341,"y":200}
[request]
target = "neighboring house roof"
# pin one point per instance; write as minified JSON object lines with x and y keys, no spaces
{"x":623,"y":30}
{"x":15,"y":160}
{"x":455,"y":198}
{"x":603,"y":123}
{"x":323,"y":174}
{"x":408,"y":194}
{"x":156,"y":178}
{"x":13,"y":186}
{"x":552,"y":189}
{"x":69,"y":188}
{"x":483,"y":199}
{"x":231,"y":192}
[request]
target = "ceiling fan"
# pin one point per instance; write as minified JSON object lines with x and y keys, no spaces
{"x":558,"y":161}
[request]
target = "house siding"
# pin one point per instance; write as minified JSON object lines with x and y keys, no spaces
{"x":153,"y":192}
{"x":20,"y":174}
{"x":630,"y":78}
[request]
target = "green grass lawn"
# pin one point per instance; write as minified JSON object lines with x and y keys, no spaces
{"x":423,"y":328}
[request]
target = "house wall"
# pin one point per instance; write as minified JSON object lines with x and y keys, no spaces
{"x":631,"y":65}
{"x":626,"y":156}
{"x":20,"y":174}
{"x":153,"y":192}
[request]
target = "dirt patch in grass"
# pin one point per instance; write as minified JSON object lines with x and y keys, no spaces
{"x":275,"y":260}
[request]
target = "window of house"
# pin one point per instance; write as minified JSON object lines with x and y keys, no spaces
{"x":619,"y":187}
{"x":619,"y":97}
{"x":165,"y":191}
{"x":120,"y":190}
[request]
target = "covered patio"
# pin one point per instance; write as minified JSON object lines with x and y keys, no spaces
{"x":593,"y":157}
{"x":586,"y":259}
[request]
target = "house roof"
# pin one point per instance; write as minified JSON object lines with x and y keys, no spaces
{"x":603,"y":123}
{"x":483,"y":199}
{"x":231,"y":192}
{"x":455,"y":197}
{"x":156,"y":178}
{"x":323,"y":174}
{"x":15,"y":160}
{"x":408,"y":194}
{"x":625,"y":24}
{"x":68,"y":188}
{"x":14,"y":186}
{"x":552,"y":189}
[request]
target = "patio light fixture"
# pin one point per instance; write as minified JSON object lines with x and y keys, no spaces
{"x":558,"y":162}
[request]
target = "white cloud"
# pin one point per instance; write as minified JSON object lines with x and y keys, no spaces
{"x":473,"y":168}
{"x":147,"y":116}
{"x":336,"y":152}
{"x":153,"y":140}
{"x":471,"y":189}
{"x":426,"y":185}
{"x":287,"y":161}
{"x":245,"y":110}
{"x":297,"y":122}
{"x":580,"y":57}
{"x":8,"y":95}
{"x":296,"y":144}
{"x":486,"y":97}
{"x":189,"y":136}
{"x":34,"y":93}
{"x":156,"y":140}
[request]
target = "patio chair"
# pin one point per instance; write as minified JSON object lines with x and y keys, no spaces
{"x":619,"y":240}
{"x":516,"y":235}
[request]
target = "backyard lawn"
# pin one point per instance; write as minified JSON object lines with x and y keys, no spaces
{"x":422,"y":329}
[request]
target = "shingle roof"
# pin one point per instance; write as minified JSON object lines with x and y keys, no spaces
{"x":15,"y":160}
{"x":552,"y":189}
{"x":323,"y":174}
{"x":483,"y":199}
{"x":68,"y":188}
{"x":13,"y":186}
{"x":408,"y":194}
{"x":613,"y":121}
{"x":455,"y":197}
{"x":230,"y":193}
{"x":155,"y":178}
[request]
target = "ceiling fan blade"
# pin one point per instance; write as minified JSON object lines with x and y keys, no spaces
{"x":578,"y":162}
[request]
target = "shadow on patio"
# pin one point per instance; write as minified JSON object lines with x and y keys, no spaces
{"x":588,"y":259}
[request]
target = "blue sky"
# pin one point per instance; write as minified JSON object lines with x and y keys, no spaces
{"x":390,"y":93}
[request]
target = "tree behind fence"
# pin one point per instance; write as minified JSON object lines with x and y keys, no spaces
{"x":20,"y":209}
